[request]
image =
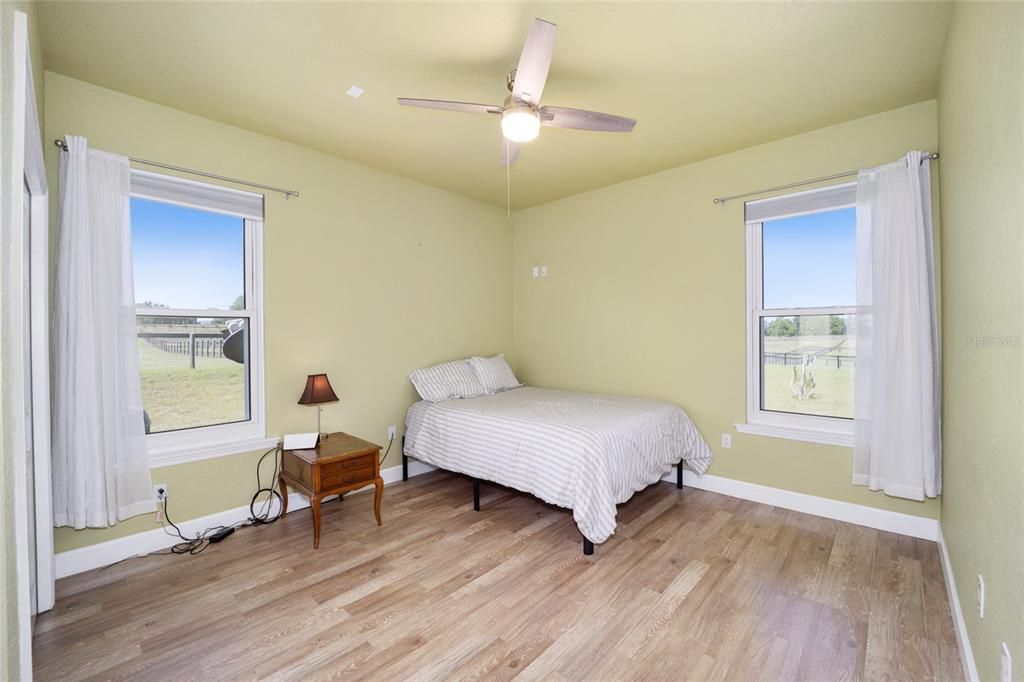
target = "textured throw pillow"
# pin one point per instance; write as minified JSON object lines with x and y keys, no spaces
{"x":494,"y":373}
{"x":447,"y":381}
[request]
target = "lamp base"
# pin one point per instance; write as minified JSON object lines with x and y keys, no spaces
{"x":320,"y":434}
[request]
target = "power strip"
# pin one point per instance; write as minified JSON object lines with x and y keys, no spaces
{"x":220,"y":535}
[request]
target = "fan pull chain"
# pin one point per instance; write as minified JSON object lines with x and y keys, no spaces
{"x":508,"y":181}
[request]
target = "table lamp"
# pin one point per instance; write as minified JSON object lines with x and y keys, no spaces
{"x":318,"y":391}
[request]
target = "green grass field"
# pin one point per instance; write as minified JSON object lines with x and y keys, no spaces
{"x":833,"y":393}
{"x":177,"y":397}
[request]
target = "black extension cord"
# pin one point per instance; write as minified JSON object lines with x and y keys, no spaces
{"x":218,"y":533}
{"x":261,"y":518}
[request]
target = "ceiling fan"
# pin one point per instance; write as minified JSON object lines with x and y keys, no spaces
{"x":521,"y":114}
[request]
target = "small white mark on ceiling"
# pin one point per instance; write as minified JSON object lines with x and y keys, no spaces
{"x":355,"y":91}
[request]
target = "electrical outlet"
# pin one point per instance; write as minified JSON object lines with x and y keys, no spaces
{"x":726,"y":440}
{"x":981,"y":596}
{"x":1006,"y":665}
{"x":392,"y":432}
{"x":160,"y":492}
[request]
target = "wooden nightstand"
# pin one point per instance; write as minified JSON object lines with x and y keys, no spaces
{"x":339,"y":464}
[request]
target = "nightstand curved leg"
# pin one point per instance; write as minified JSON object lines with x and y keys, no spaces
{"x":377,"y":495}
{"x":314,"y":504}
{"x":284,"y":495}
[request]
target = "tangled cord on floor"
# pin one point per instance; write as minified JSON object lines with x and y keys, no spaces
{"x":201,"y":541}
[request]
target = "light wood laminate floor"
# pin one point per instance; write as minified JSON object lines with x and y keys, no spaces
{"x":693,"y":586}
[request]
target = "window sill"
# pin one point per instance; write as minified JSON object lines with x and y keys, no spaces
{"x":791,"y":433}
{"x":194,"y":453}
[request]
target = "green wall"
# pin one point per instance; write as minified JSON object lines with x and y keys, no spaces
{"x":367,"y":276}
{"x":981,"y":130}
{"x":646,"y":293}
{"x":404,"y":275}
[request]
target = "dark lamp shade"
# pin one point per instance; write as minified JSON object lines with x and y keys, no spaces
{"x":318,"y":390}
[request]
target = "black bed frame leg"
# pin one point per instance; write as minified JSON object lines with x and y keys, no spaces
{"x":679,"y":475}
{"x":405,"y":462}
{"x":588,"y":547}
{"x":476,"y":494}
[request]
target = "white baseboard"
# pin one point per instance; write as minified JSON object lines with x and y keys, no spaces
{"x":963,"y":641}
{"x":880,"y":519}
{"x":110,"y":552}
{"x":106,"y":553}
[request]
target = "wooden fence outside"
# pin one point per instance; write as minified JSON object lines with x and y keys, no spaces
{"x":836,"y":361}
{"x":187,"y":343}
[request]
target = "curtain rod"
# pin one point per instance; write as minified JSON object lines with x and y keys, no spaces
{"x":722,"y":200}
{"x":286,"y":192}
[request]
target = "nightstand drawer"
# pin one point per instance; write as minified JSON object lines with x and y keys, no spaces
{"x":354,"y":470}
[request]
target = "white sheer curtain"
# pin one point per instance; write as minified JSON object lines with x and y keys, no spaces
{"x":100,"y":465}
{"x":897,"y":388}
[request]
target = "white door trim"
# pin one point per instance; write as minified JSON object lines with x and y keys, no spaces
{"x":35,"y":179}
{"x":12,"y":284}
{"x":27,"y":169}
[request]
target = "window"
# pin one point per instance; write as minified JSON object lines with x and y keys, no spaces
{"x":801,"y":305}
{"x":197,"y":261}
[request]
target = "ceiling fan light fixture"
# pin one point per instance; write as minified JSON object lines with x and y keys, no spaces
{"x":520,"y":123}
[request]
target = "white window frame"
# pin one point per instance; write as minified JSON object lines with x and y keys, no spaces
{"x":802,"y":427}
{"x":206,"y":442}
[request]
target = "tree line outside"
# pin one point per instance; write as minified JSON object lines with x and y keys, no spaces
{"x":807,"y":325}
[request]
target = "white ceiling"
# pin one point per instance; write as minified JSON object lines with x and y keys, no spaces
{"x":701,"y":78}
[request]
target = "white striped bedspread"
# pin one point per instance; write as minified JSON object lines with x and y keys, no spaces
{"x":581,"y":451}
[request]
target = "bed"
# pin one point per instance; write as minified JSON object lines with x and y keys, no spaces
{"x":581,"y":451}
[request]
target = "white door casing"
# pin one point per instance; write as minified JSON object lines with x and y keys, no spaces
{"x":25,"y":283}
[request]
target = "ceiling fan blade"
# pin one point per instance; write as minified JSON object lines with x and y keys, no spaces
{"x":581,"y":119}
{"x":534,"y":62}
{"x":467,"y":107}
{"x":509,"y":152}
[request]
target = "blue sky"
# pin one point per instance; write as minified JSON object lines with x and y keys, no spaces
{"x":186,"y":258}
{"x":810,"y":261}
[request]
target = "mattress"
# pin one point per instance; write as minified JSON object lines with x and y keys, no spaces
{"x":585,"y":452}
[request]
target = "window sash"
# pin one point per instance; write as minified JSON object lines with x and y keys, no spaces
{"x":141,"y":311}
{"x":214,"y":440}
{"x":758,"y":331}
{"x":813,"y":201}
{"x":797,"y":312}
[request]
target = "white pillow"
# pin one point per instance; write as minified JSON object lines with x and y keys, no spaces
{"x":446,"y":381}
{"x":494,"y":373}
